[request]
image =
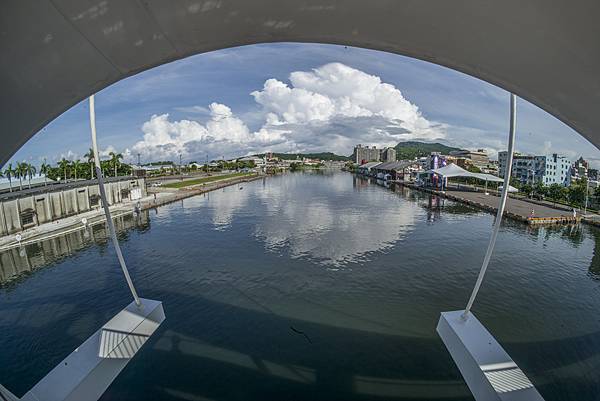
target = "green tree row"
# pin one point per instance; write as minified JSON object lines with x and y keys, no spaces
{"x":66,"y":169}
{"x":236,"y":165}
{"x":573,"y":195}
{"x":298,"y":166}
{"x":21,"y":171}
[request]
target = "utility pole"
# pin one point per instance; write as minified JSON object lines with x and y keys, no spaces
{"x":180,"y":171}
{"x":139,"y":164}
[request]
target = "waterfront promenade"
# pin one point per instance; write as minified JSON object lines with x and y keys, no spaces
{"x":517,"y":209}
{"x":156,"y":197}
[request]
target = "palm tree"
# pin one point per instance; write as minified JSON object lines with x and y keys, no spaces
{"x":30,"y":172}
{"x":105,"y":168}
{"x":114,"y":160}
{"x":76,"y":166}
{"x":10,"y":173}
{"x":21,"y":172}
{"x":45,"y":169}
{"x":90,"y":159}
{"x":63,"y":164}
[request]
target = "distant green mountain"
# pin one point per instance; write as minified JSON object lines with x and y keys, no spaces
{"x":404,"y":151}
{"x":320,"y":156}
{"x":410,"y":149}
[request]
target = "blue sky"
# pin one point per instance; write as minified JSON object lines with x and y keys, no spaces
{"x":297,"y":97}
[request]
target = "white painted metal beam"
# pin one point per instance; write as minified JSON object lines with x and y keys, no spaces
{"x":56,"y":53}
{"x":87,"y":372}
{"x":486,"y":367}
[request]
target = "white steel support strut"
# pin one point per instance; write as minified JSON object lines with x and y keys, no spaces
{"x":86,"y":373}
{"x":501,"y":207}
{"x":486,"y":367}
{"x":109,"y":222}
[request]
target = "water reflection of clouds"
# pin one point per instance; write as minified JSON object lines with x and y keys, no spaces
{"x":314,"y":221}
{"x":313,"y":216}
{"x":225,"y":204}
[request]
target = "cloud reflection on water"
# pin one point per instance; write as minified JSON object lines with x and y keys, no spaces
{"x":225,"y":207}
{"x":319,"y":221}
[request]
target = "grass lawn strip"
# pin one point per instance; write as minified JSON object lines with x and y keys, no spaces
{"x":205,"y":180}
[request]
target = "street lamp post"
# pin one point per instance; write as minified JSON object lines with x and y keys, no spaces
{"x":587,"y":190}
{"x":180,"y":171}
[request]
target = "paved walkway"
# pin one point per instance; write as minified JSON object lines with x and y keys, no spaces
{"x":63,"y":226}
{"x":513,"y":206}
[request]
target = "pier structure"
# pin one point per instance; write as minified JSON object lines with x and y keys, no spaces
{"x":516,"y":209}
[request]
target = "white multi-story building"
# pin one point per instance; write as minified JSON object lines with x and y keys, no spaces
{"x":580,"y":169}
{"x":553,"y":169}
{"x":520,"y":163}
{"x":548,"y":170}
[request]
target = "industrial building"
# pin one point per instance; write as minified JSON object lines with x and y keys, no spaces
{"x":478,"y":158}
{"x":397,"y":170}
{"x":368,"y":168}
{"x":20,"y":210}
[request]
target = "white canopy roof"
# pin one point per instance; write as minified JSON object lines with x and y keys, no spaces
{"x":488,"y":177}
{"x":452,"y":170}
{"x":510,"y":188}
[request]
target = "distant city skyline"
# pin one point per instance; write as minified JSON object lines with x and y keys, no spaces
{"x":298,"y":98}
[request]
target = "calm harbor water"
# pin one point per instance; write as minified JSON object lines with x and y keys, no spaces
{"x":308,"y":287}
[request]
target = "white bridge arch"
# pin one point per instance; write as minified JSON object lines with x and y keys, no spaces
{"x":55,"y":53}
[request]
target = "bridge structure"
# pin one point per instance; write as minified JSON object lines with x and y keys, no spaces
{"x":58,"y":52}
{"x":55,"y":53}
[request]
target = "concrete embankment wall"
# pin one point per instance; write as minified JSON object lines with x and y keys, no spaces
{"x":169,"y":196}
{"x":24,"y":209}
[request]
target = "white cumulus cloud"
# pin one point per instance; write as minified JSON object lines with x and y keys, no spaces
{"x":332,"y":107}
{"x":165,"y":139}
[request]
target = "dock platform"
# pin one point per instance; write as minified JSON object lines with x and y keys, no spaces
{"x":488,"y":370}
{"x":516,"y":209}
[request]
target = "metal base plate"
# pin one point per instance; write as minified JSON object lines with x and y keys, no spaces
{"x":87,"y":372}
{"x":487,"y":369}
